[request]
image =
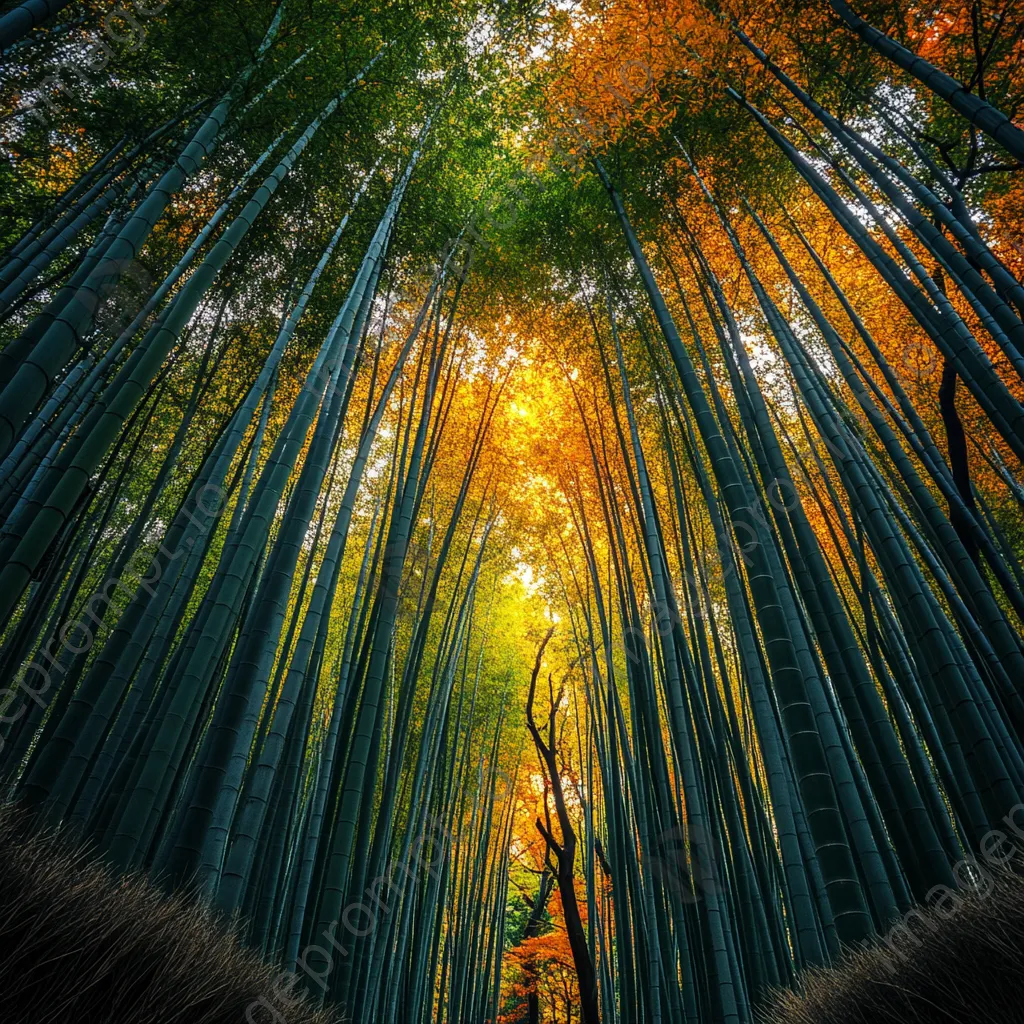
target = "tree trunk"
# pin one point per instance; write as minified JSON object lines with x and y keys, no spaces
{"x":564,"y":852}
{"x":956,"y":448}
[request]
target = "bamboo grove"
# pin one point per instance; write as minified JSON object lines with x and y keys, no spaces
{"x":517,"y":509}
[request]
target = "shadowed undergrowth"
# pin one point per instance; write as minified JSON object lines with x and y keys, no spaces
{"x":962,"y":960}
{"x":79,"y":944}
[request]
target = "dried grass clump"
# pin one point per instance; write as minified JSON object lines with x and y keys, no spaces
{"x":78,"y":943}
{"x":961,"y":960}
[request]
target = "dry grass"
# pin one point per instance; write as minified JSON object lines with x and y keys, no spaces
{"x":967,"y":967}
{"x":79,"y":944}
